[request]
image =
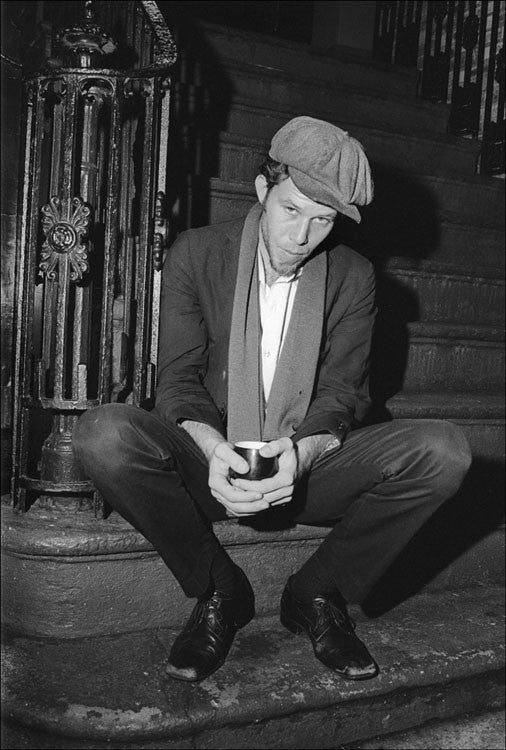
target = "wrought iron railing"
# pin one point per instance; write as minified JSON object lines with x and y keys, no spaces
{"x":458,"y":46}
{"x":93,"y":234}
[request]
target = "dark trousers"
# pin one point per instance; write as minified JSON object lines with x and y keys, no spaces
{"x":376,"y":491}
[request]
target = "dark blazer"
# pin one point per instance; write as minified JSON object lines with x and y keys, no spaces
{"x":197,"y":296}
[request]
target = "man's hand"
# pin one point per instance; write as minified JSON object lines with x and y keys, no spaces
{"x":277,"y":490}
{"x":237,"y":500}
{"x":294,"y":460}
{"x":221,"y":457}
{"x":243,"y":497}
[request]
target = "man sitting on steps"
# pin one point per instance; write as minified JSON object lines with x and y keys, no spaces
{"x":265,"y":334}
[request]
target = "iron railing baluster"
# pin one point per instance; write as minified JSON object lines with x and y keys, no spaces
{"x":455,"y":45}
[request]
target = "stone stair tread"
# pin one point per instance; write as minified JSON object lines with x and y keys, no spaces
{"x":273,"y":72}
{"x":448,"y":405}
{"x":453,"y":330}
{"x":342,"y":52}
{"x":339,"y":52}
{"x":483,"y":181}
{"x":451,"y":142}
{"x":43,"y":533}
{"x":414,"y":108}
{"x":113,"y":688}
{"x":451,"y":270}
{"x":269,"y":52}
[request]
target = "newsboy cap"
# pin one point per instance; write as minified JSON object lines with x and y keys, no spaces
{"x":325,"y":164}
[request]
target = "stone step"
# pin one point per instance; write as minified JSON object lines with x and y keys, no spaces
{"x":441,"y":655}
{"x":241,"y":153}
{"x":436,"y":357}
{"x":276,"y":55}
{"x":259,"y":92}
{"x":430,"y":357}
{"x":437,"y":292}
{"x":458,"y":407}
{"x":457,"y":242}
{"x":477,"y":199}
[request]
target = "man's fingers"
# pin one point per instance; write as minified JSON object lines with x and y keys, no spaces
{"x":279,"y":480}
{"x":284,"y":494}
{"x":227,"y":457}
{"x":276,"y":447}
{"x":283,"y":501}
{"x":242,"y":507}
{"x":222,"y":487}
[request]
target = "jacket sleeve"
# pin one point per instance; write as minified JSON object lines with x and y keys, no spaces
{"x":341,"y":394}
{"x":183,"y":344}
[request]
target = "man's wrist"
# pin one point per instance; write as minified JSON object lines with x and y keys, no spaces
{"x":334,"y":443}
{"x":308,"y":450}
{"x":206,"y":437}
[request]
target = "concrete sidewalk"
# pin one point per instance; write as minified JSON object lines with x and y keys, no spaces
{"x":441,"y":655}
{"x":470,"y":732}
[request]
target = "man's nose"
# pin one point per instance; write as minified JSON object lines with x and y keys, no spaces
{"x":301,"y":232}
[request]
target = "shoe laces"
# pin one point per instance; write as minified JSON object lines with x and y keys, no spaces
{"x":328,"y":610}
{"x":211,"y":610}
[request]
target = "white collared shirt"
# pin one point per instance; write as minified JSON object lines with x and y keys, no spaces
{"x":276,"y":304}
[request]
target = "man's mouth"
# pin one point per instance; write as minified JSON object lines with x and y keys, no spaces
{"x":294,"y":253}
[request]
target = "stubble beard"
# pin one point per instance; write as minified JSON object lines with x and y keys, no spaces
{"x":282,"y":269}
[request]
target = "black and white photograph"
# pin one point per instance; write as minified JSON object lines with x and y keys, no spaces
{"x":252,"y":375}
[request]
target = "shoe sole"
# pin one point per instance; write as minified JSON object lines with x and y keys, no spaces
{"x":294,"y":627}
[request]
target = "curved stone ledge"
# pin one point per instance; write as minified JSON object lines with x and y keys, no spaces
{"x":41,"y":532}
{"x":72,"y":576}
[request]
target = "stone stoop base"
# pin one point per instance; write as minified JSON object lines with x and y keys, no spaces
{"x":441,"y":655}
{"x":108,"y":579}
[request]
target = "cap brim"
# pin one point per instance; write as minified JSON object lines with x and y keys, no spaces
{"x":320,"y":193}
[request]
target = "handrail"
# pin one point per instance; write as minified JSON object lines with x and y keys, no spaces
{"x":458,"y":47}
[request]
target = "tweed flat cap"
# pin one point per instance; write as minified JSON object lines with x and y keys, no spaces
{"x":325,"y":164}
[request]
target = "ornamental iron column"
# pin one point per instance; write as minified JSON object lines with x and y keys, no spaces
{"x":91,"y":247}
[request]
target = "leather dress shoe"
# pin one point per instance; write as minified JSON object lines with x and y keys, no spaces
{"x":202,"y":646}
{"x":331,"y":631}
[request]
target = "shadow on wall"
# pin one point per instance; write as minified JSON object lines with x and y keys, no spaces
{"x":402,"y":222}
{"x":200,"y":102}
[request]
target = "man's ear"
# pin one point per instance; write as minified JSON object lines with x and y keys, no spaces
{"x":261,"y":187}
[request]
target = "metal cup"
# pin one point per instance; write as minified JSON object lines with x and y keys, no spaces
{"x":260,"y":466}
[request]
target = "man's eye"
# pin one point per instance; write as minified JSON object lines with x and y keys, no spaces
{"x":323,"y":220}
{"x":290,"y":210}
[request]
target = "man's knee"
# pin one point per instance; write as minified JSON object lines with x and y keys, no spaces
{"x":98,"y":433}
{"x":446,"y":451}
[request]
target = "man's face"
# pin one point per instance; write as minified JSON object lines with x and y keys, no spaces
{"x":292,"y":225}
